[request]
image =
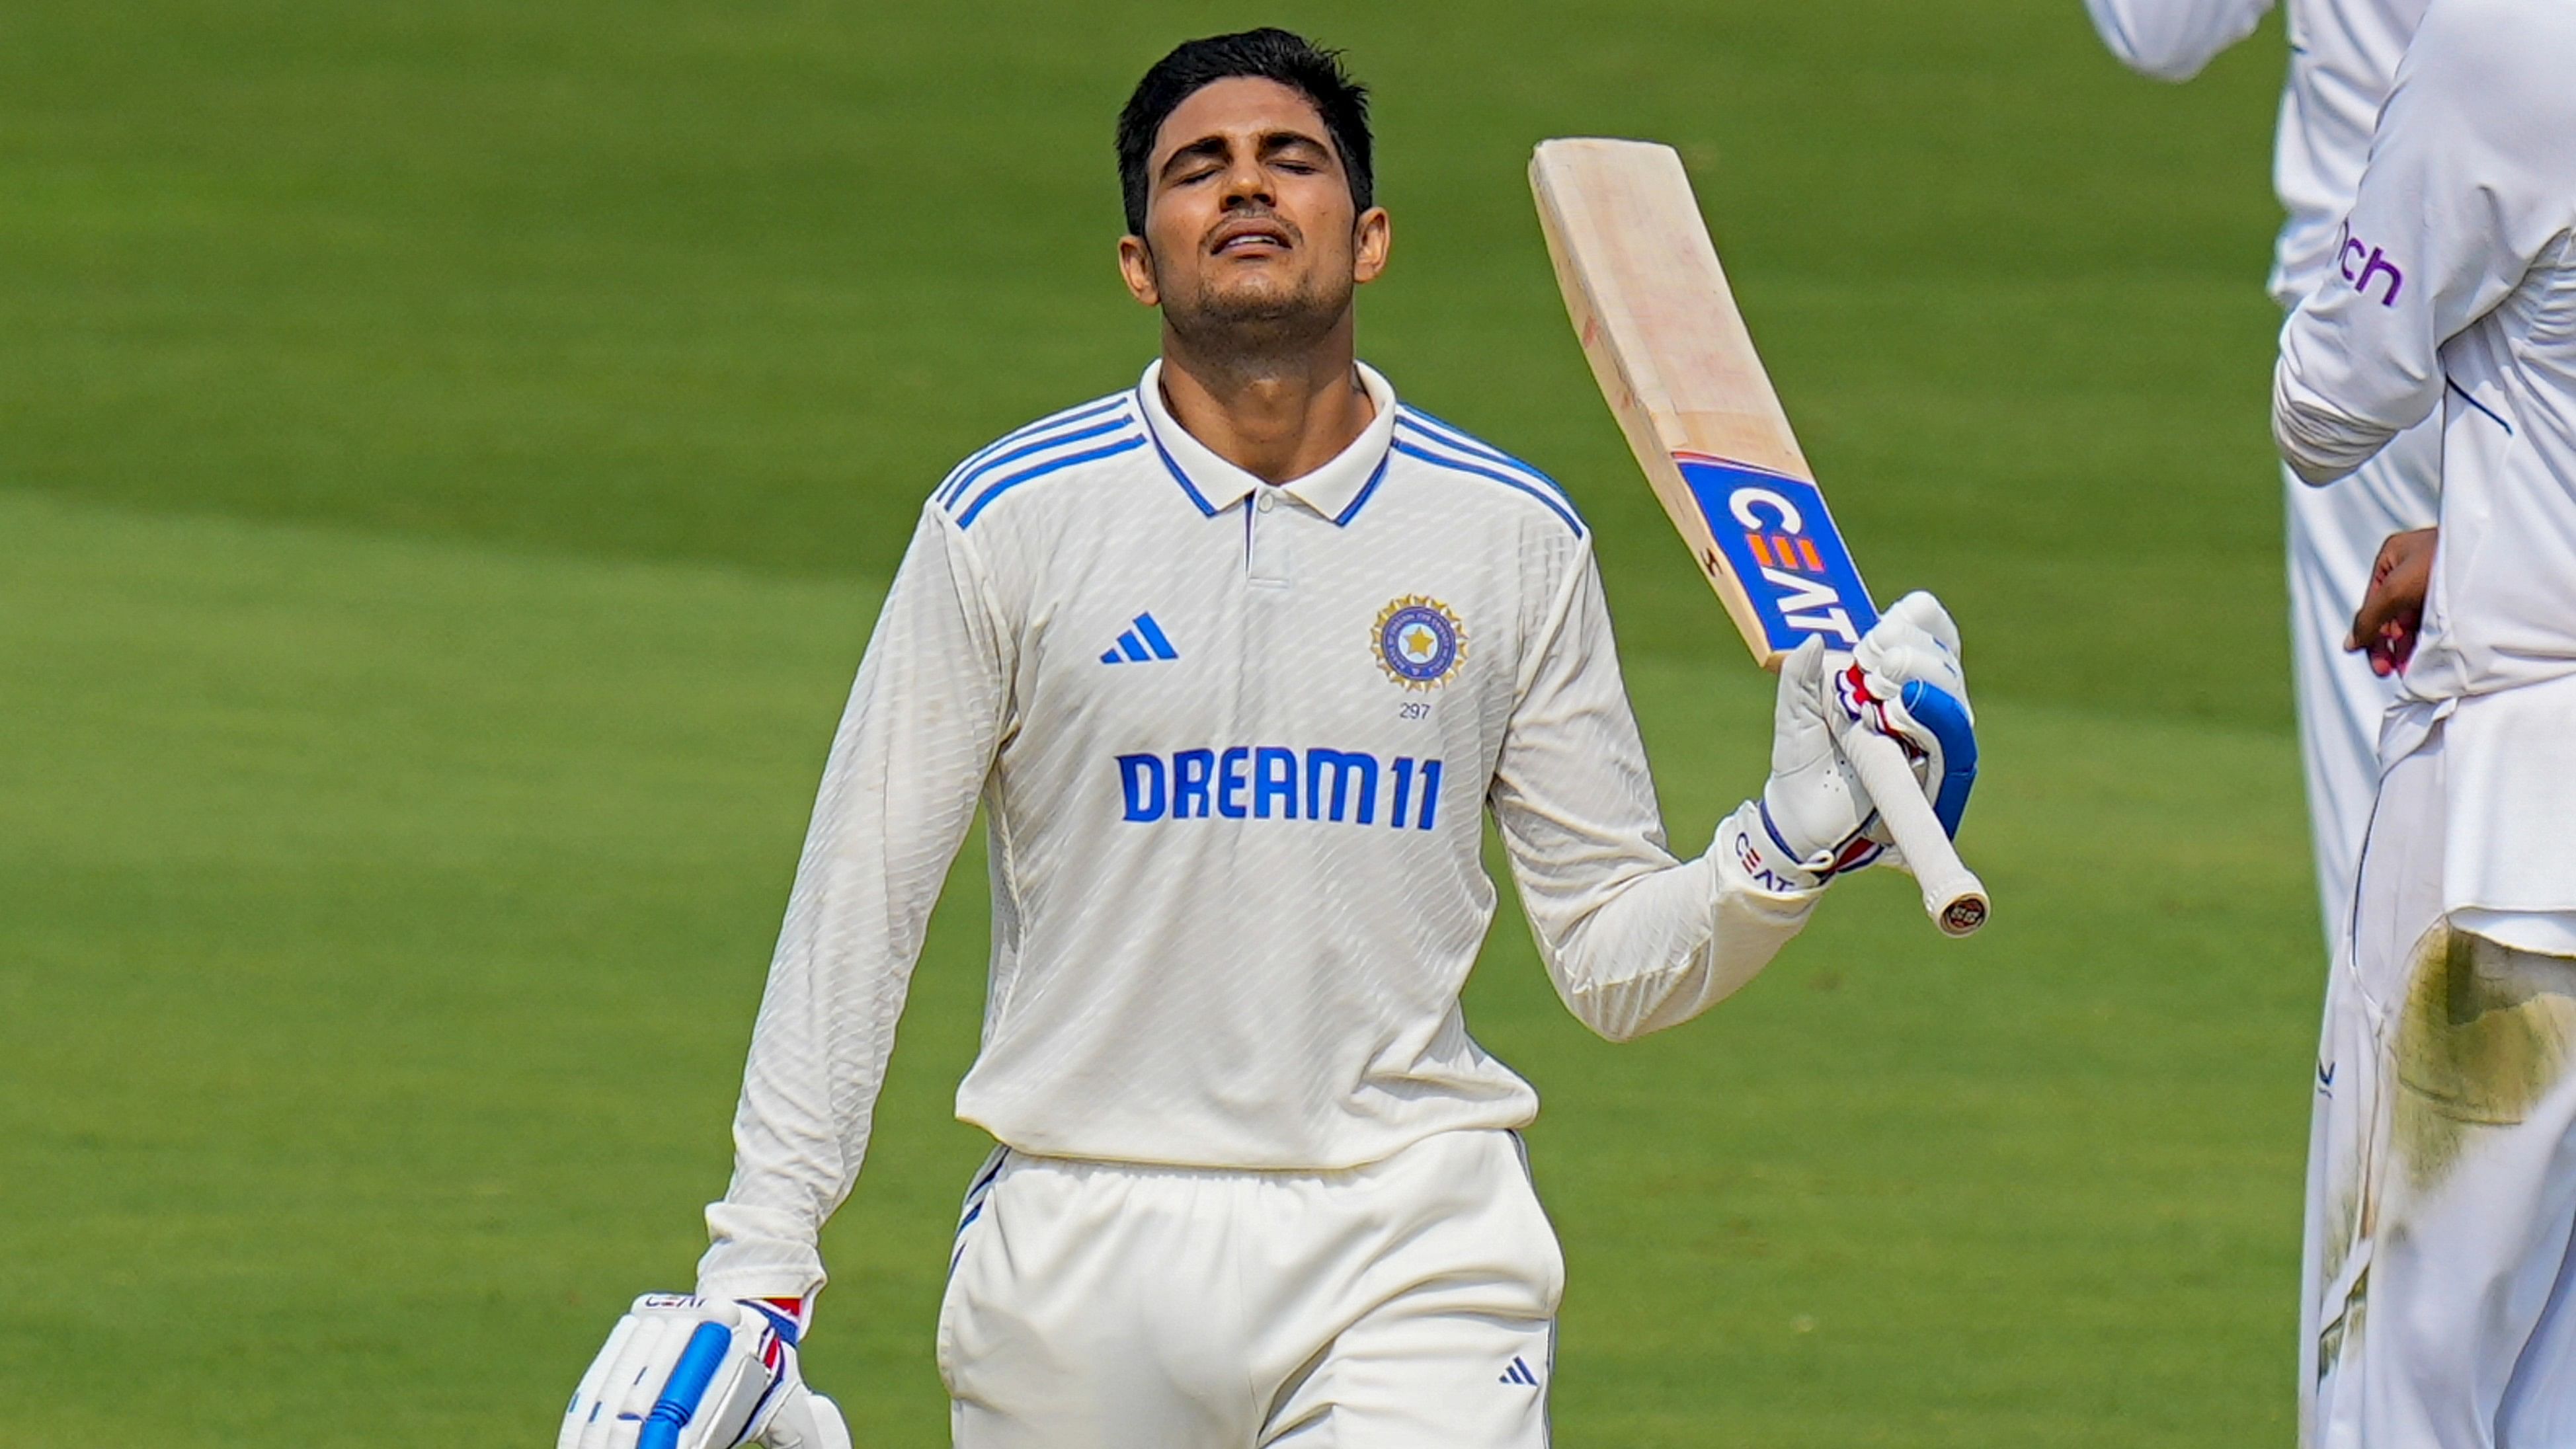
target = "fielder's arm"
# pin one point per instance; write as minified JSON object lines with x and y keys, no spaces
{"x":2172,"y":40}
{"x":2471,"y":179}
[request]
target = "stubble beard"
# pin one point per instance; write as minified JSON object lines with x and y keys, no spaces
{"x":1253,"y":332}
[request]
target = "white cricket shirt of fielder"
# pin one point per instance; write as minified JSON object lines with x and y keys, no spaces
{"x":1234,"y":742}
{"x":2457,"y":289}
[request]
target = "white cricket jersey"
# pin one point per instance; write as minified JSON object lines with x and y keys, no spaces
{"x":2457,"y":288}
{"x":2343,"y":54}
{"x":1234,"y":742}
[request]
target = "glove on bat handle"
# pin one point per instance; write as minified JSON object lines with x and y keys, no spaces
{"x":1952,"y":895}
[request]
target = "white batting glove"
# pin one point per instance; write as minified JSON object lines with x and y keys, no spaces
{"x":1815,"y":820}
{"x":688,"y":1373}
{"x":1811,"y":821}
{"x":1905,"y":681}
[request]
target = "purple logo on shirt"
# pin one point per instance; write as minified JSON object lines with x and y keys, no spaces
{"x":2359,"y":261}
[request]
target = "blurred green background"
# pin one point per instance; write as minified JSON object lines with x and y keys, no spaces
{"x":449,"y":457}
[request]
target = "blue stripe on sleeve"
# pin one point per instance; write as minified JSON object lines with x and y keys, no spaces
{"x":1067,"y":418}
{"x":1460,"y":465}
{"x":1051,"y":465}
{"x":968,"y":479}
{"x":1453,"y":436}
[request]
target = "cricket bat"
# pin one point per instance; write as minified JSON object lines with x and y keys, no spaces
{"x":1643,"y":285}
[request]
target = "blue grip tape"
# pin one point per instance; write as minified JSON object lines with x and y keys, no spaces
{"x":687,"y":1387}
{"x":1947,"y":719}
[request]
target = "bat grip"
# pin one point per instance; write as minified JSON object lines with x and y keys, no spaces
{"x":1952,"y":895}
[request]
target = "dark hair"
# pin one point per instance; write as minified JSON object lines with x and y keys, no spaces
{"x":1265,"y":54}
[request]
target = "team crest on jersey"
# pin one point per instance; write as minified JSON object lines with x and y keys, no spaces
{"x":1419,"y":642}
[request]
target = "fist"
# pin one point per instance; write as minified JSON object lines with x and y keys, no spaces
{"x":1903,"y":680}
{"x":2392,"y":609}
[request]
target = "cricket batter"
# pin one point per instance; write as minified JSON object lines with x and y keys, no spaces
{"x":2445,"y":1298}
{"x":1236,"y":660}
{"x":2343,"y":55}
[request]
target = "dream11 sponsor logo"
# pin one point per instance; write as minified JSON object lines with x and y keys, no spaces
{"x":1270,"y":782}
{"x":2359,"y":262}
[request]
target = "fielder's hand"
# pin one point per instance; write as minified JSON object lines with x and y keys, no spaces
{"x":1903,"y":681}
{"x":687,"y":1373}
{"x":2392,"y":610}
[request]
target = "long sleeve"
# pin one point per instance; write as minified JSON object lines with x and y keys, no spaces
{"x":2467,"y":184}
{"x":2172,"y":39}
{"x":898,"y":794}
{"x":1634,"y":940}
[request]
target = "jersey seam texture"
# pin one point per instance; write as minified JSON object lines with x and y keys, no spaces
{"x":1553,"y":627}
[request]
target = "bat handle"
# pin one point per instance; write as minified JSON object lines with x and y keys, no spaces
{"x":1952,"y":895}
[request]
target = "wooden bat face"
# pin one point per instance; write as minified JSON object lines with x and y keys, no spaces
{"x":1659,"y":324}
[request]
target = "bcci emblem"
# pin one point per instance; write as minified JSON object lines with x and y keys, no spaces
{"x":1419,"y":642}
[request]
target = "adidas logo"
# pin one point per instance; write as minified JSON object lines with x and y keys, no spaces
{"x":1519,"y":1373}
{"x":1143,"y":642}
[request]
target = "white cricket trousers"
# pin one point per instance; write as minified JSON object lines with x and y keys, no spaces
{"x":2440,"y":1304}
{"x":1408,"y":1304}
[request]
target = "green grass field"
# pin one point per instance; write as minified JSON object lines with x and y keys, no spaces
{"x":448,"y":459}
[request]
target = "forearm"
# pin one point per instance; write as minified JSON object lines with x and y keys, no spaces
{"x":1671,"y":943}
{"x":801,"y":1129}
{"x":819,"y":1050}
{"x":2319,"y":441}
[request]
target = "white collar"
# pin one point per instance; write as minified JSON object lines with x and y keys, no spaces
{"x":1334,"y":490}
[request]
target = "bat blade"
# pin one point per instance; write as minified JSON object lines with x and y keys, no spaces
{"x":1659,"y":324}
{"x":1660,"y":327}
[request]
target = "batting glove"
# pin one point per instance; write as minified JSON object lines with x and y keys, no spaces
{"x":688,"y":1373}
{"x":1812,"y":820}
{"x":1903,"y":681}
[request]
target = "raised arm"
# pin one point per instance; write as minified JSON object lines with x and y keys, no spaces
{"x":2471,"y":178}
{"x":928,"y":711}
{"x":2172,"y":39}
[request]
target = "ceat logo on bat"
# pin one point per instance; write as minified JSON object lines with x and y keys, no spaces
{"x":1782,"y":546}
